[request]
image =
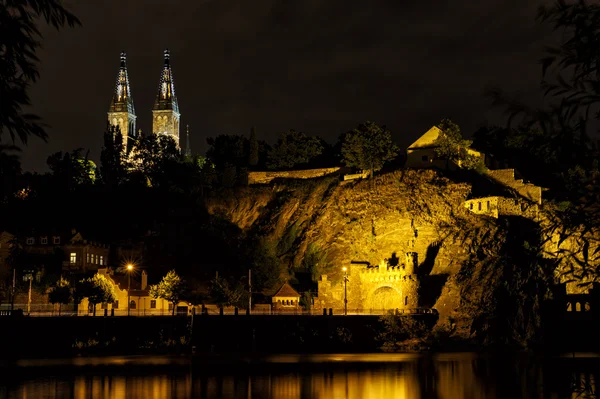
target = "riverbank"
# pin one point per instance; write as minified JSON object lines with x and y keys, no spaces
{"x":54,"y":337}
{"x":41,"y":337}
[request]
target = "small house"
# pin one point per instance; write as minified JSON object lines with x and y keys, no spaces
{"x":286,"y":298}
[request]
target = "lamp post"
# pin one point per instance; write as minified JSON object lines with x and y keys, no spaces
{"x":345,"y":269}
{"x":129,"y":269}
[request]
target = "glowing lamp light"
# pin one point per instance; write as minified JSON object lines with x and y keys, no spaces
{"x":344,"y":268}
{"x":130,"y":267}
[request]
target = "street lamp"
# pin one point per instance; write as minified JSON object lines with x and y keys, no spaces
{"x":129,"y":270}
{"x":345,"y":269}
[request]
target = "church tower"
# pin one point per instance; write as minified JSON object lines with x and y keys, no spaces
{"x":188,"y":147}
{"x":121,"y":112}
{"x":165,"y":113}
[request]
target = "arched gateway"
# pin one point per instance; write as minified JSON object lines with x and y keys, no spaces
{"x":375,"y":289}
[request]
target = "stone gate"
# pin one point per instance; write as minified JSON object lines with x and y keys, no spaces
{"x":388,"y":286}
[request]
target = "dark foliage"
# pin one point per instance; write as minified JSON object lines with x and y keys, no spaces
{"x":19,"y":43}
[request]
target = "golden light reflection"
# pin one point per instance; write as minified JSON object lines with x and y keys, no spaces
{"x":369,"y":376}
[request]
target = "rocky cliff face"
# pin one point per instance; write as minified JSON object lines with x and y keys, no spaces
{"x":488,"y":275}
{"x":323,"y":225}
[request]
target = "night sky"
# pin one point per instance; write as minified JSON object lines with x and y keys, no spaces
{"x":317,"y":66}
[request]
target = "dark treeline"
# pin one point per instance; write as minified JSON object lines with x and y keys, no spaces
{"x":152,"y":197}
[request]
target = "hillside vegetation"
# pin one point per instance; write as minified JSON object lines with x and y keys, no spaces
{"x":484,"y":275}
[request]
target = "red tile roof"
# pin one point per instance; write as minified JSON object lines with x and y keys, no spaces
{"x":121,"y":281}
{"x":287,"y":291}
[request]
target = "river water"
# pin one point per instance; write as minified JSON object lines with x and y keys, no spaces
{"x":343,"y":376}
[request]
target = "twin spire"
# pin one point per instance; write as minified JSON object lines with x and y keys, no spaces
{"x":165,"y":112}
{"x":166,"y":98}
{"x":122,"y":100}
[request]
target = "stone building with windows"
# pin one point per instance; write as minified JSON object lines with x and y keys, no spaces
{"x":136,"y":290}
{"x":422,"y":153}
{"x":80,"y":255}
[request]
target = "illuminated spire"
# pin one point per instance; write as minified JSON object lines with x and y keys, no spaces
{"x":122,"y":101}
{"x":166,"y":98}
{"x":188,"y":148}
{"x":165,"y":113}
{"x":121,"y":111}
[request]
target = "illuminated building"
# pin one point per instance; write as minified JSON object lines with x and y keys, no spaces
{"x":121,"y":112}
{"x":165,"y":112}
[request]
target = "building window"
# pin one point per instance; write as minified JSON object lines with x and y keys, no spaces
{"x":132,"y":304}
{"x":93,"y":258}
{"x":56,"y":240}
{"x":471,"y":206}
{"x":73,"y":258}
{"x":30,"y":241}
{"x":44,"y":240}
{"x":488,"y":205}
{"x":424,"y":158}
{"x":405,"y":301}
{"x":101,"y":260}
{"x":88,"y":258}
{"x":116,"y":304}
{"x":153,"y":304}
{"x":479,"y":205}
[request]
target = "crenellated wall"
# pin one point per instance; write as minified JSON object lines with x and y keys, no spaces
{"x":373,"y":288}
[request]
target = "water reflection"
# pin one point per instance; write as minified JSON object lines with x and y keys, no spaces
{"x":298,"y":377}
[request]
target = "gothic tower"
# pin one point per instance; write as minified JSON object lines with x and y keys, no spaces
{"x":121,"y":112}
{"x":188,"y":147}
{"x":165,"y":113}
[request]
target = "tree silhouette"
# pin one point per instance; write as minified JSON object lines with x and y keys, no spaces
{"x":368,"y":147}
{"x":253,"y":149}
{"x":19,"y":43}
{"x":171,"y":288}
{"x":293,"y":149}
{"x":60,"y":293}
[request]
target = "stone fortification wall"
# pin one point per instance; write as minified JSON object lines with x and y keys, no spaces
{"x":373,"y":288}
{"x":483,"y":206}
{"x":355,"y":176}
{"x":516,"y":207}
{"x":502,"y":206}
{"x":507,"y":178}
{"x":267,"y":177}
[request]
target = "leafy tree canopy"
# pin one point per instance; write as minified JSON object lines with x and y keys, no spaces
{"x":454,"y":148}
{"x":60,"y":292}
{"x":368,"y":147}
{"x":96,"y":289}
{"x":71,"y":169}
{"x":225,"y":294}
{"x":113,"y":158}
{"x":153,"y":155}
{"x":171,"y":288}
{"x":293,"y":149}
{"x":228,"y":149}
{"x":253,"y":149}
{"x":19,"y":43}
